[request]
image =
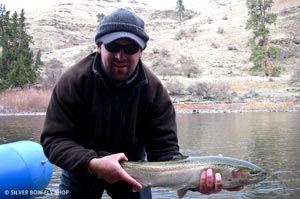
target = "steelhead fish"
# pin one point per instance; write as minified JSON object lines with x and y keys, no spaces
{"x":182,"y":174}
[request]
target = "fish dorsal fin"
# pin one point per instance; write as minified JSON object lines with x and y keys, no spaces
{"x":179,"y":157}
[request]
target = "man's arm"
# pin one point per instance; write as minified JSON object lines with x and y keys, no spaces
{"x":61,"y":126}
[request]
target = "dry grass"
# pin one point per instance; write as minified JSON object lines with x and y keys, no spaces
{"x":27,"y":100}
{"x":33,"y":100}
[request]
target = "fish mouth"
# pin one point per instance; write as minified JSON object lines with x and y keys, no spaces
{"x":262,"y":174}
{"x":258,"y":177}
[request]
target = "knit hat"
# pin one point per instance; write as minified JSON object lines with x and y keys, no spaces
{"x":122,"y":24}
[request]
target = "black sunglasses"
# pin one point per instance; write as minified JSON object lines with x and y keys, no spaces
{"x":130,"y":49}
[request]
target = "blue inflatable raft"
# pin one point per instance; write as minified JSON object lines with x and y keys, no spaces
{"x":24,"y":170}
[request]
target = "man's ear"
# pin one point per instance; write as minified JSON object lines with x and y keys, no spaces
{"x":99,"y":48}
{"x":141,"y":53}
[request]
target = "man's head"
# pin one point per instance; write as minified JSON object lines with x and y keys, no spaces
{"x":122,"y":24}
{"x":121,"y":39}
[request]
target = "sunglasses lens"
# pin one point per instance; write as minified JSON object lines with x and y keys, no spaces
{"x":113,"y":47}
{"x":130,"y":49}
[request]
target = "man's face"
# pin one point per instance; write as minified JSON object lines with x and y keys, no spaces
{"x":119,"y":65}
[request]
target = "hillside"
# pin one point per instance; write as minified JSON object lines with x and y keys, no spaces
{"x":212,"y":35}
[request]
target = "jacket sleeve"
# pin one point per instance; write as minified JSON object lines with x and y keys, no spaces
{"x":61,"y":126}
{"x":161,"y":128}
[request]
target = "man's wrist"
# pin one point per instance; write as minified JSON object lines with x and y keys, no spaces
{"x":90,"y":167}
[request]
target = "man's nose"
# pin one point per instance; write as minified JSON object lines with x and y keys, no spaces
{"x":120,"y":55}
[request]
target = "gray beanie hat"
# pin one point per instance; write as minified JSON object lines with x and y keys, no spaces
{"x":122,"y":24}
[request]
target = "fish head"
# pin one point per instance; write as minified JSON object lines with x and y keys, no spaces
{"x":243,"y":175}
{"x":248,"y":175}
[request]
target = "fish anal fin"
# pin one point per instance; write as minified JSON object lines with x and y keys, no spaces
{"x":181,"y":190}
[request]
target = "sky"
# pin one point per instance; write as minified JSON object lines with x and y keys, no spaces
{"x":27,"y":5}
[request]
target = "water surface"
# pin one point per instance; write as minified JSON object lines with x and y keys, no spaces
{"x":270,"y":140}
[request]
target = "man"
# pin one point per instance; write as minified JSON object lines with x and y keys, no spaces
{"x":109,"y":108}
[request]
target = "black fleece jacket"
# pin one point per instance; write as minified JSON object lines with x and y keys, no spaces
{"x":88,"y":113}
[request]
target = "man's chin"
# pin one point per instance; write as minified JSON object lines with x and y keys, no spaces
{"x":119,"y":78}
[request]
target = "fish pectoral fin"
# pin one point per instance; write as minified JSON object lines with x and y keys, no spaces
{"x":179,"y":157}
{"x":182,"y":192}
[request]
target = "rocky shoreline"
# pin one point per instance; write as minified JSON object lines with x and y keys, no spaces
{"x":228,"y":107}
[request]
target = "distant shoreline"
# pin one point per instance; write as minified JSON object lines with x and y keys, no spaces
{"x":205,"y":107}
{"x":226,"y":107}
{"x":35,"y":102}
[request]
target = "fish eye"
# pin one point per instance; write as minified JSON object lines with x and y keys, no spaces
{"x":252,"y":172}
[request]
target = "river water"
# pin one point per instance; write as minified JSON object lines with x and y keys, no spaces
{"x":270,"y":140}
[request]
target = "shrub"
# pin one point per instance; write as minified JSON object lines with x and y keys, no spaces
{"x":251,"y":94}
{"x":225,"y":17}
{"x":163,"y":67}
{"x":209,"y":20}
{"x":188,"y":66}
{"x":180,"y":34}
{"x":215,"y":45}
{"x":175,"y":87}
{"x":53,"y":71}
{"x":295,"y":77}
{"x":232,"y":48}
{"x":220,"y":30}
{"x":164,"y":52}
{"x":276,"y":71}
{"x":155,"y":50}
{"x":211,"y":91}
{"x":193,"y":30}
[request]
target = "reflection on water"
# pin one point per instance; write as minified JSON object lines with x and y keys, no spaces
{"x":270,"y":140}
{"x":14,"y":128}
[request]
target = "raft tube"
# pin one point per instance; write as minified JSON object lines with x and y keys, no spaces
{"x":24,"y":170}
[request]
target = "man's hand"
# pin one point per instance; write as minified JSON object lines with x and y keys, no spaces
{"x":210,"y":183}
{"x":109,"y":169}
